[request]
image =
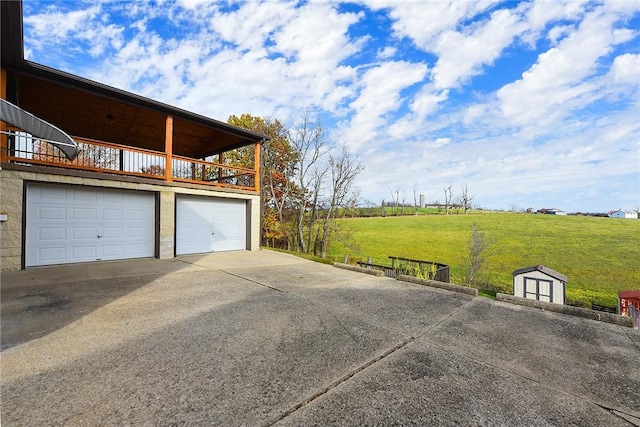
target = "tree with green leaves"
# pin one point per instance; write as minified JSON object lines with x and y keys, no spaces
{"x":278,"y":158}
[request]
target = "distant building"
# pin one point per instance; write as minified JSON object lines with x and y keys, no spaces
{"x":552,"y":211}
{"x":540,"y":283}
{"x":621,"y":213}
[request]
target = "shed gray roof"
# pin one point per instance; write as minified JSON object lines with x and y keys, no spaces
{"x":543,"y":269}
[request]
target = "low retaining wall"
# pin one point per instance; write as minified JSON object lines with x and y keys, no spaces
{"x":378,"y":273}
{"x":558,"y":308}
{"x":440,"y":285}
{"x":568,"y":309}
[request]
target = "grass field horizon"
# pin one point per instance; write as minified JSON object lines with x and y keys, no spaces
{"x":599,"y":255}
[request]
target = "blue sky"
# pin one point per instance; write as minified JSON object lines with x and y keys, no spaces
{"x":530,"y":104}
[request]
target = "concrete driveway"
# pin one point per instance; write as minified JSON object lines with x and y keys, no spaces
{"x":262,"y":338}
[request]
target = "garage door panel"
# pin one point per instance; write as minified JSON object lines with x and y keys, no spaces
{"x":83,"y":195}
{"x":112,"y":215}
{"x":136,"y":215}
{"x":84,"y":214}
{"x":133,"y":250}
{"x":116,"y":197}
{"x":112,"y":233}
{"x":136,"y":232}
{"x":112,"y":251}
{"x":84,"y":253}
{"x":50,"y":193}
{"x":52,"y":234}
{"x":64,"y":222}
{"x":84,"y":233}
{"x":52,"y":214}
{"x":52,"y":254}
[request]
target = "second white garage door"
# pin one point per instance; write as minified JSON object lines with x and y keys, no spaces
{"x":210,"y":225}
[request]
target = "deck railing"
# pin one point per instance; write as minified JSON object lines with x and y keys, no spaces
{"x":200,"y":171}
{"x":106,"y":157}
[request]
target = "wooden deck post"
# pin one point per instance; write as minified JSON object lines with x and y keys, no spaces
{"x":220,"y":171}
{"x":168,"y":149}
{"x":256,"y":165}
{"x":3,"y":127}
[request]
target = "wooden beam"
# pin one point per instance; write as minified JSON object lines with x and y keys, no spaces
{"x":256,"y":165}
{"x":168,"y":149}
{"x":3,"y":125}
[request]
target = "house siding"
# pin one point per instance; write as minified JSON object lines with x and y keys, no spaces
{"x":12,"y":190}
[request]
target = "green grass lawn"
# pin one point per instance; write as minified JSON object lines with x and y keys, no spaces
{"x":599,"y":255}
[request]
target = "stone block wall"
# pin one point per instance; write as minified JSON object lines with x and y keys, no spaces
{"x":11,"y":194}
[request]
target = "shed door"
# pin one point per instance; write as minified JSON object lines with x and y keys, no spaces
{"x":69,"y":224}
{"x":538,"y":289}
{"x":210,"y":224}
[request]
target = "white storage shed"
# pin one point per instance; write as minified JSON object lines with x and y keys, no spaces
{"x":540,"y":283}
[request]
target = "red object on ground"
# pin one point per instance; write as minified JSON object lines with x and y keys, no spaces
{"x":627,"y":298}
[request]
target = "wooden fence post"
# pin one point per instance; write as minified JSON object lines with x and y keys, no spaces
{"x":168,"y":149}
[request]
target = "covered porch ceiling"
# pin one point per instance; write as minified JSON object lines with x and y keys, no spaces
{"x":80,"y":107}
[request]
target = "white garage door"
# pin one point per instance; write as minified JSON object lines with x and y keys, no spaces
{"x":209,"y":224}
{"x":67,"y":224}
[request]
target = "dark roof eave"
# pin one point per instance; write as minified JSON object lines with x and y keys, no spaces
{"x":542,"y":269}
{"x":63,"y":78}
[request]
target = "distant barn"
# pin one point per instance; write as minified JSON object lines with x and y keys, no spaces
{"x":552,"y":211}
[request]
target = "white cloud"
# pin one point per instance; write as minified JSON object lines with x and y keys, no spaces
{"x":380,"y":94}
{"x":543,"y":12}
{"x":425,"y":102}
{"x":317,"y":45}
{"x":55,"y":27}
{"x":424,"y":22}
{"x":192,"y":4}
{"x":387,"y":52}
{"x":253,"y":23}
{"x":440,"y":142}
{"x":558,"y":33}
{"x":626,"y":69}
{"x":272,"y":56}
{"x":558,"y":77}
{"x":462,"y":54}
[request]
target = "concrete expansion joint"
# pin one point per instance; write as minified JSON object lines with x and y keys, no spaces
{"x":447,"y":317}
{"x":633,"y":341}
{"x":339,"y":381}
{"x":630,"y":418}
{"x":315,"y":303}
{"x":259,"y":283}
